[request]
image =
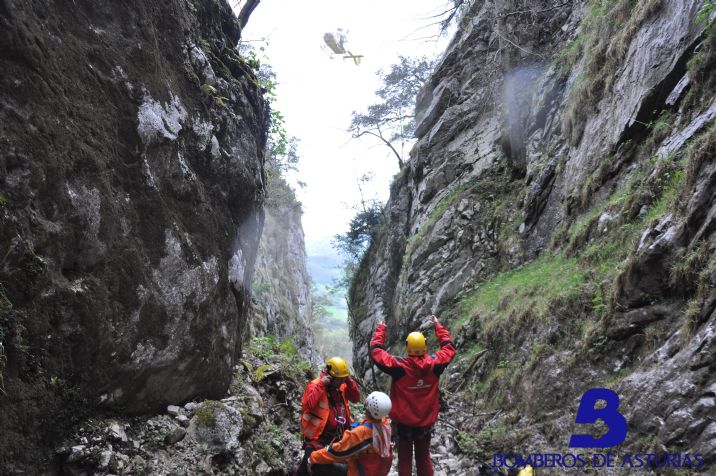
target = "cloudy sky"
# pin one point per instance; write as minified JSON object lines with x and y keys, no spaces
{"x":317,"y":93}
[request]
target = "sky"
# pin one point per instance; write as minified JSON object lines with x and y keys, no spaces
{"x":317,"y":93}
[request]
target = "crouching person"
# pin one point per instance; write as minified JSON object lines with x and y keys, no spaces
{"x":366,"y":447}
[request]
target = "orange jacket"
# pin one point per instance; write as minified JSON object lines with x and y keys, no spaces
{"x":315,"y":406}
{"x":356,"y":448}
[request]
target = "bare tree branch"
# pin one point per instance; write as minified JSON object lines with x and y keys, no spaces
{"x":246,"y":12}
{"x":535,"y":12}
{"x":518,"y":46}
{"x":385,"y":141}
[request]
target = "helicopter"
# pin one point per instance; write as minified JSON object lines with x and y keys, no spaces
{"x":338,"y":44}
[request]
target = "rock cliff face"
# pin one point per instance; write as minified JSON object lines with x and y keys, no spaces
{"x":132,"y":139}
{"x":558,"y":212}
{"x":282,"y":286}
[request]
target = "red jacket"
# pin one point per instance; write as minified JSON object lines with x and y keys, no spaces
{"x":316,"y":405}
{"x":415,"y":379}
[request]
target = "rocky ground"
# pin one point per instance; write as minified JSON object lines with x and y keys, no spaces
{"x":253,"y":431}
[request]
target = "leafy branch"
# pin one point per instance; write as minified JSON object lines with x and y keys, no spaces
{"x":392,"y":120}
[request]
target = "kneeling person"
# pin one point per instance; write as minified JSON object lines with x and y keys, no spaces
{"x":366,"y":447}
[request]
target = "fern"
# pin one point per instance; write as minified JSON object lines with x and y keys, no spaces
{"x":260,"y":372}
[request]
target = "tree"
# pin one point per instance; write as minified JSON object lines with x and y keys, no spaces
{"x":282,"y":148}
{"x":392,"y":120}
{"x":362,"y":229}
{"x":453,"y":13}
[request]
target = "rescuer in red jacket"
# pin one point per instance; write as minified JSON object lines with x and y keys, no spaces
{"x":414,"y":392}
{"x":325,"y":413}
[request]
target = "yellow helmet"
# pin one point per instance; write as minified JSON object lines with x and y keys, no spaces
{"x":415,"y":344}
{"x":526,"y":471}
{"x":337,"y":367}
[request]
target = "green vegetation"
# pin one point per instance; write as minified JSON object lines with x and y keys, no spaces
{"x":283,"y":149}
{"x":260,"y":372}
{"x":606,"y":32}
{"x":693,"y":309}
{"x":569,"y":55}
{"x":206,"y":413}
{"x":599,"y":306}
{"x":263,"y":347}
{"x":540,"y":350}
{"x":362,"y":231}
{"x":477,"y":444}
{"x":702,"y":149}
{"x":703,"y":18}
{"x":279,"y":356}
{"x":3,"y":200}
{"x":467,"y":444}
{"x":526,"y":290}
{"x":654,"y":186}
{"x":670,"y":183}
{"x":569,"y":292}
{"x":270,"y":446}
{"x":288,"y":348}
{"x":357,"y":410}
{"x":213,"y":93}
{"x":660,"y":129}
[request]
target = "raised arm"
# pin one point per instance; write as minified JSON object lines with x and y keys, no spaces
{"x":385,"y":361}
{"x":447,"y":348}
{"x":352,"y":392}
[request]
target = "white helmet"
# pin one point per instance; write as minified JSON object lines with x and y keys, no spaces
{"x":378,"y":405}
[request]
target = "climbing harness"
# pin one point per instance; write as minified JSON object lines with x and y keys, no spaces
{"x":339,"y":409}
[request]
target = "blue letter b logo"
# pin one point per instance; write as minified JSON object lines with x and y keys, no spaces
{"x":588,"y":414}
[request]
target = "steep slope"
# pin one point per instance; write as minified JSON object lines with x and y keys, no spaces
{"x":557,"y":211}
{"x":131,"y":189}
{"x":282,"y":286}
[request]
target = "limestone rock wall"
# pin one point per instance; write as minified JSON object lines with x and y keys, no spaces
{"x":132,"y":141}
{"x":282,"y":286}
{"x":557,"y":211}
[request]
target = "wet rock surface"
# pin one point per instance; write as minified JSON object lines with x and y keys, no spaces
{"x":131,"y":209}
